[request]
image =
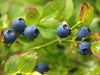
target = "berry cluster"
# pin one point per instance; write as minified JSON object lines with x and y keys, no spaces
{"x":31,"y":32}
{"x":18,"y":25}
{"x":64,"y":30}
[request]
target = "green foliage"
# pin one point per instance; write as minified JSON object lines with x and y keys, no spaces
{"x":32,"y":16}
{"x":47,"y":27}
{"x":96,"y":48}
{"x":61,"y":54}
{"x":69,"y":8}
{"x":54,"y":8}
{"x":94,"y":26}
{"x":97,"y":5}
{"x":23,"y":63}
{"x":19,"y":10}
{"x":85,"y":15}
{"x":22,"y":39}
{"x":11,"y":66}
{"x":26,"y":62}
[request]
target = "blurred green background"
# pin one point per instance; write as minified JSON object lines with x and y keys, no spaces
{"x":60,"y":60}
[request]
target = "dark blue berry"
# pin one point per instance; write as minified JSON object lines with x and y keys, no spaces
{"x":9,"y":36}
{"x":42,"y":67}
{"x":83,"y":32}
{"x":31,"y":32}
{"x":18,"y":25}
{"x":63,"y":31}
{"x":84,"y":48}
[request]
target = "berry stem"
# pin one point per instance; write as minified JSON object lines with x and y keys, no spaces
{"x":71,"y":41}
{"x":41,"y":46}
{"x":75,"y":25}
{"x":54,"y":41}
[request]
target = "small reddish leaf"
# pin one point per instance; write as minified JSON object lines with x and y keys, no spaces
{"x":73,"y":48}
{"x":82,"y":13}
{"x":32,"y":16}
{"x":91,"y":37}
{"x":85,"y":14}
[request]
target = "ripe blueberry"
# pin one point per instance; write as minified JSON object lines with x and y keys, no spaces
{"x":31,"y":32}
{"x":42,"y":67}
{"x":9,"y":36}
{"x":63,"y":31}
{"x":18,"y":25}
{"x":84,"y":48}
{"x":83,"y":32}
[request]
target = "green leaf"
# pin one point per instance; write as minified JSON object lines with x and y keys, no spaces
{"x":27,"y":61}
{"x":49,"y":22}
{"x":10,"y":66}
{"x":85,"y":15}
{"x":97,"y":4}
{"x":95,"y":25}
{"x":54,"y":8}
{"x":95,"y":48}
{"x":73,"y":48}
{"x":67,"y":13}
{"x":47,"y":27}
{"x":91,"y":37}
{"x":89,"y":16}
{"x":32,"y":16}
{"x":23,"y":40}
{"x":48,"y":33}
